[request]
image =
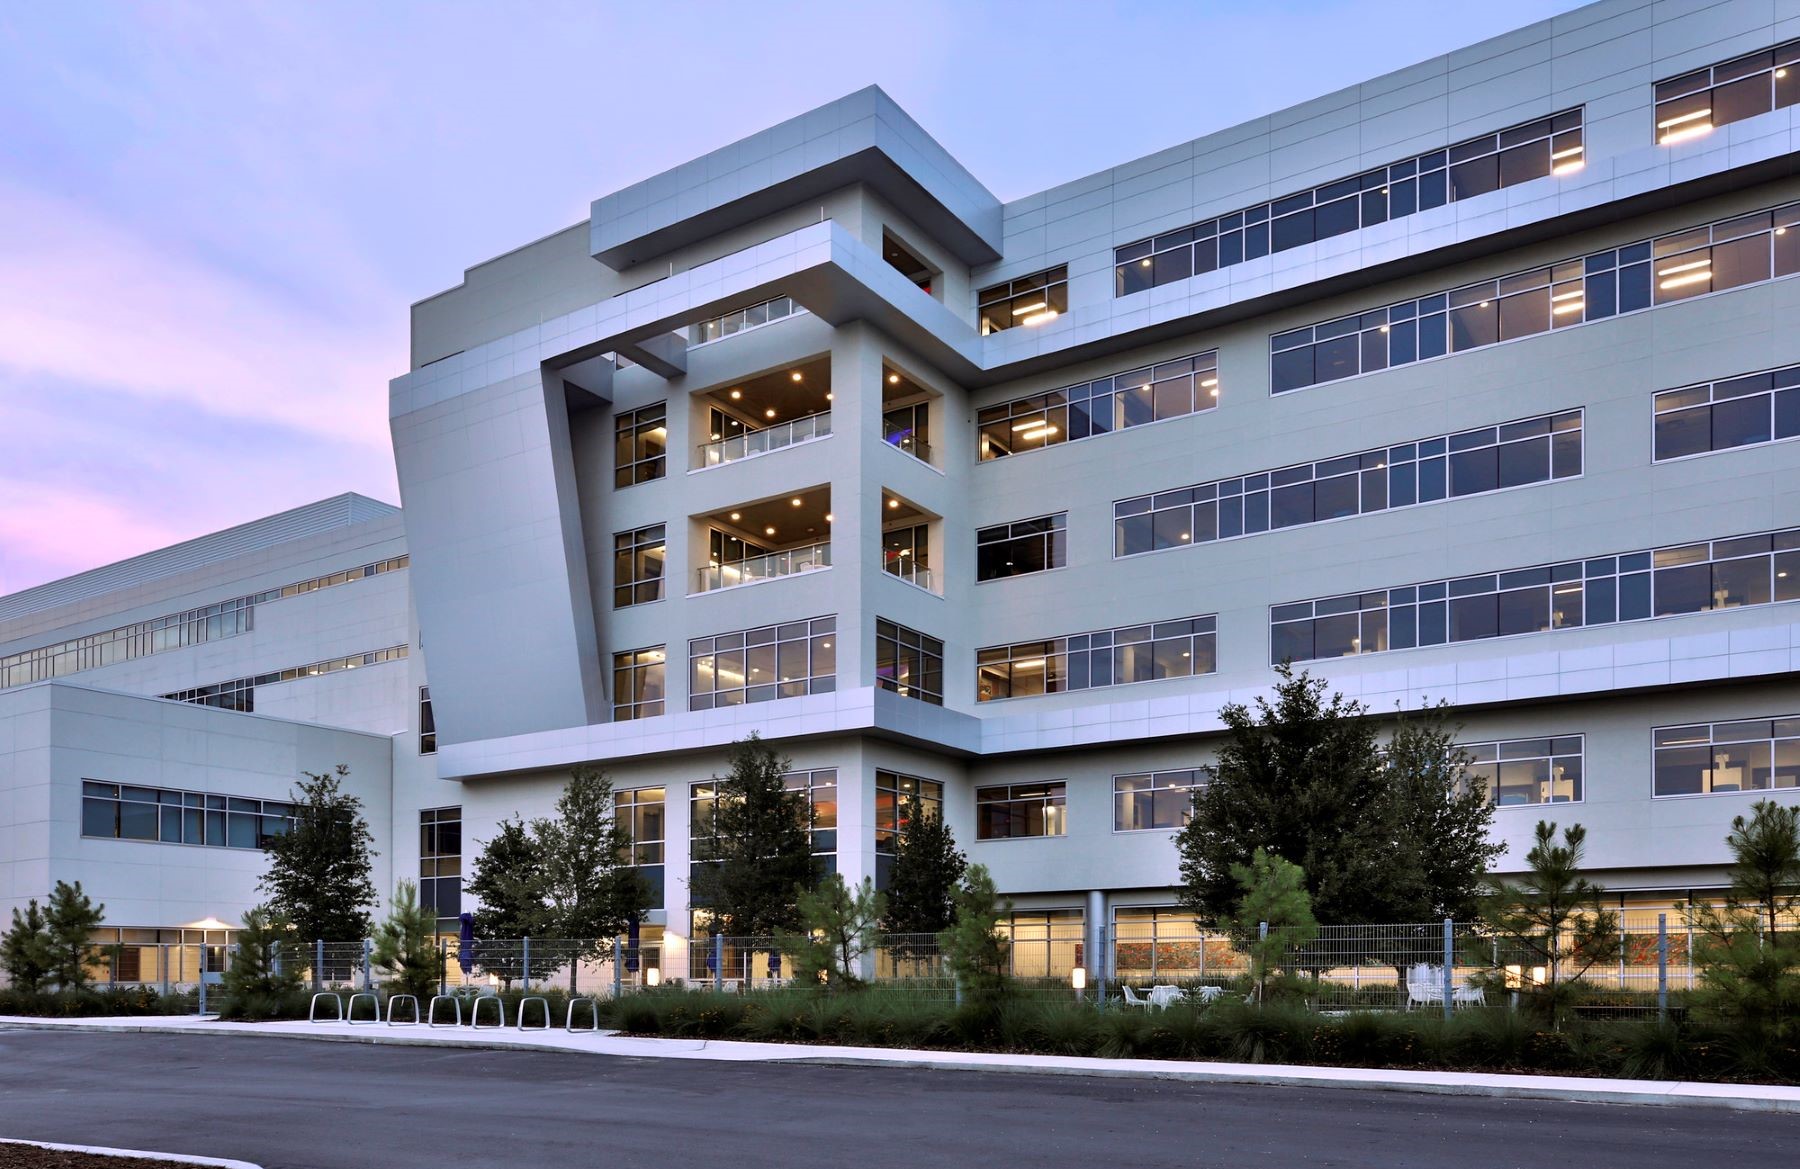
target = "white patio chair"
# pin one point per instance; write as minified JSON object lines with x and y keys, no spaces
{"x":1424,"y":986}
{"x":1132,"y":998}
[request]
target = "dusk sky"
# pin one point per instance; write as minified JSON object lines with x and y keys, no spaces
{"x":214,"y":216}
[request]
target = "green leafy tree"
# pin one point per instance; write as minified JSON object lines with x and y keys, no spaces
{"x":921,"y":892}
{"x":70,"y":920}
{"x":1749,"y":964}
{"x":1439,"y":822}
{"x":319,"y":875}
{"x":591,"y":892}
{"x":1273,"y":895}
{"x":25,"y":949}
{"x":405,"y":947}
{"x":973,"y":950}
{"x":837,"y":929}
{"x":758,"y":859}
{"x":263,"y":979}
{"x":1552,"y":919}
{"x":508,"y":880}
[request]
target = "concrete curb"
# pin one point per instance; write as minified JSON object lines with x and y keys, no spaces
{"x":1566,"y":1089}
{"x":140,"y":1154}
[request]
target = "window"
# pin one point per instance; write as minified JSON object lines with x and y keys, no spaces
{"x":1110,"y":657}
{"x":1694,"y":103}
{"x":638,"y":566}
{"x":738,"y":320}
{"x":1710,"y":258}
{"x":820,"y":786}
{"x":640,"y":812}
{"x":905,"y":261}
{"x":1689,"y":578}
{"x":908,"y":428}
{"x":122,"y":812}
{"x":1547,"y":146}
{"x":427,"y":723}
{"x":638,"y":677}
{"x":899,"y":799}
{"x":175,"y":631}
{"x":440,"y":862}
{"x":1513,"y":454}
{"x":1707,"y":758}
{"x":1021,"y":809}
{"x":640,"y":447}
{"x":1155,"y":799}
{"x":1029,"y":300}
{"x":240,"y":693}
{"x":1170,"y":389}
{"x":760,"y":665}
{"x":1527,"y":771}
{"x":908,"y":662}
{"x":1023,"y":546}
{"x":1739,"y":411}
{"x":906,"y":552}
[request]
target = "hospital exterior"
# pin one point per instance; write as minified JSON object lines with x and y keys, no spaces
{"x":1474,"y":382}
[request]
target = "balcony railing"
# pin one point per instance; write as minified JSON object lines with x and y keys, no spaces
{"x":759,"y":568}
{"x":912,"y":444}
{"x":761,"y":442}
{"x":913,"y":574}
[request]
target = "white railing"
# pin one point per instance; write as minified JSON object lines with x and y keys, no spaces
{"x":739,"y":320}
{"x":906,"y":441}
{"x":759,"y":568}
{"x":761,"y":442}
{"x":916,"y":575}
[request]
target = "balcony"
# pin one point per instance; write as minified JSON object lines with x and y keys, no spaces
{"x":906,"y":415}
{"x":761,"y":442}
{"x":769,"y":412}
{"x":768,"y":566}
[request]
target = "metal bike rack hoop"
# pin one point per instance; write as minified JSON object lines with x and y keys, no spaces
{"x":350,"y":1008}
{"x":569,"y":1022}
{"x":403,"y":998}
{"x":526,"y":1002}
{"x":337,"y":1000}
{"x":499,"y":1009}
{"x":431,"y":1011}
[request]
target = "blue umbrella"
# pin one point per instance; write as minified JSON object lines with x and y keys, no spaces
{"x":633,"y":939}
{"x":774,"y":963}
{"x":465,"y":944}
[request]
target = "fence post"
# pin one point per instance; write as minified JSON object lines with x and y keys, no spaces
{"x":1662,"y":966}
{"x":1690,"y":952}
{"x":618,"y":975}
{"x":1449,"y":965}
{"x":443,"y":966}
{"x":718,"y":961}
{"x":318,"y":962}
{"x":526,"y":963}
{"x":368,"y":948}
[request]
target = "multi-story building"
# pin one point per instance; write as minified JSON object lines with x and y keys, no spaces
{"x":1467,"y":383}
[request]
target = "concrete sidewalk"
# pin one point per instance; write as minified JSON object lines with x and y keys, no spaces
{"x":1749,"y":1097}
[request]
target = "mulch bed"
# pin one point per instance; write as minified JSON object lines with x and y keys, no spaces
{"x":32,"y":1157}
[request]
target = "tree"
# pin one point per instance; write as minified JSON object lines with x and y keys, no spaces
{"x":1383,"y":835}
{"x":405,"y":945}
{"x":1553,"y":920}
{"x":1274,"y":896}
{"x":70,"y":920}
{"x":837,"y":928}
{"x":921,"y":893}
{"x":264,"y":976}
{"x":319,"y":869}
{"x":508,"y":879}
{"x":25,"y":949}
{"x":1749,"y":965}
{"x":590,"y":890}
{"x":973,"y":951}
{"x":758,"y":859}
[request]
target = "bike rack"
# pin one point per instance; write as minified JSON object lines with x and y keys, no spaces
{"x":526,"y":1002}
{"x":403,"y":998}
{"x":337,"y":1000}
{"x":431,"y":1011}
{"x":350,"y":1009}
{"x":569,"y":1022}
{"x":499,"y":1009}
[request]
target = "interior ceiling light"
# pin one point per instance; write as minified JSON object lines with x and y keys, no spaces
{"x":1048,"y":314}
{"x":796,"y":501}
{"x":893,"y":503}
{"x":796,"y":375}
{"x":1028,"y":425}
{"x":829,"y":517}
{"x":736,"y":395}
{"x":1028,"y":308}
{"x":768,"y":531}
{"x":893,"y":379}
{"x":769,"y":413}
{"x":737,"y":515}
{"x":828,"y":395}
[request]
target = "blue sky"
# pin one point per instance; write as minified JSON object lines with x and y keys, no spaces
{"x":214,"y":216}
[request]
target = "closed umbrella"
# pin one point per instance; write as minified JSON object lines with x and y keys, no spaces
{"x":465,"y":945}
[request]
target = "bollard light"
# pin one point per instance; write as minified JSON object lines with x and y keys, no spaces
{"x":1078,"y":978}
{"x":653,"y":977}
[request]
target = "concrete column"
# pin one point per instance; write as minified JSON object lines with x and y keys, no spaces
{"x":1096,"y":932}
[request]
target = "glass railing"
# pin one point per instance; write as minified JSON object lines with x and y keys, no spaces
{"x":752,"y":569}
{"x":913,"y":574}
{"x":761,"y":442}
{"x":912,"y":444}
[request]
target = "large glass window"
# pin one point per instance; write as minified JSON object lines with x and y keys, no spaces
{"x":908,"y":662}
{"x":1546,"y":146}
{"x":1687,"y":578}
{"x":1155,"y":799}
{"x":638,"y":566}
{"x":821,"y":788}
{"x":440,"y":863}
{"x":1489,"y":458}
{"x":639,"y":677}
{"x":1710,"y":258}
{"x":1695,"y":103}
{"x":899,"y":799}
{"x":1023,"y":546}
{"x":123,"y":812}
{"x":1109,"y":657}
{"x":763,"y":664}
{"x":427,"y":723}
{"x":1169,"y":389}
{"x":1029,"y":300}
{"x":1739,"y":411}
{"x":908,"y":428}
{"x":1527,"y":771}
{"x":1021,"y":809}
{"x":906,"y":551}
{"x":240,"y":693}
{"x":640,"y":811}
{"x":1706,"y":758}
{"x":640,"y":446}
